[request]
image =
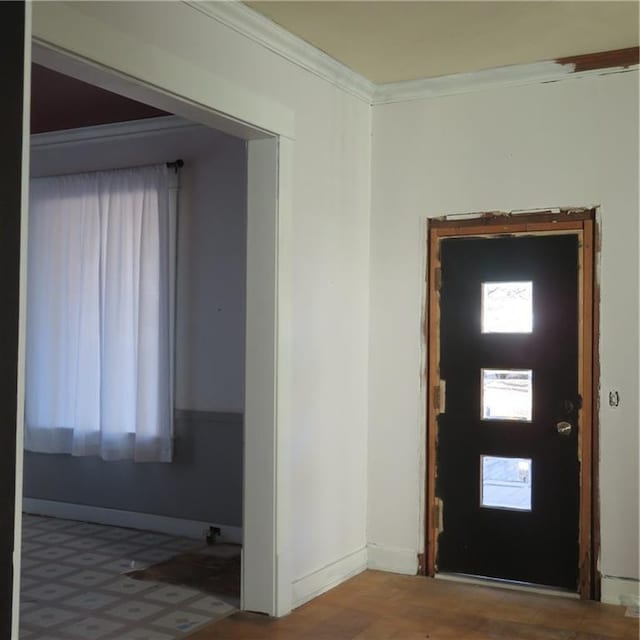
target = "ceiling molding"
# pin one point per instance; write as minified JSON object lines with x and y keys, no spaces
{"x":253,"y":25}
{"x":256,"y":27}
{"x":501,"y":77}
{"x":102,"y":132}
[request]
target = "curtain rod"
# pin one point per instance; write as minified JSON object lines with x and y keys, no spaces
{"x":175,"y":165}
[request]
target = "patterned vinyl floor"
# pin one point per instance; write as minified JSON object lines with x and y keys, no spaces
{"x":73,"y":587}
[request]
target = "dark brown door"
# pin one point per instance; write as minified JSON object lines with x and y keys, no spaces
{"x":12,"y":23}
{"x":507,"y":440}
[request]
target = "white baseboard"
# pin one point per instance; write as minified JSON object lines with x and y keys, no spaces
{"x":625,"y":591}
{"x":131,"y":519}
{"x":392,"y":559}
{"x":321,"y":580}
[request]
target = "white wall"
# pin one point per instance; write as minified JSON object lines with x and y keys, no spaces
{"x":174,"y":46}
{"x":573,"y":142}
{"x":211,"y":252}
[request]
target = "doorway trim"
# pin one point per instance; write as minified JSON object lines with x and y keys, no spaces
{"x":583,"y":222}
{"x":270,"y":148}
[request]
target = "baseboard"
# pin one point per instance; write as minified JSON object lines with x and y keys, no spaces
{"x":131,"y":519}
{"x":321,"y":580}
{"x":392,"y":559}
{"x":625,"y":591}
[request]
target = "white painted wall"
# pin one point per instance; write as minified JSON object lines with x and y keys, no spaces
{"x":177,"y":48}
{"x":211,"y":253}
{"x":573,"y":142}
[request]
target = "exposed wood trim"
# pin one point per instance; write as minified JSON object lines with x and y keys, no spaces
{"x":508,"y":229}
{"x":616,"y":58}
{"x":580,"y":221}
{"x":498,"y":218}
{"x":432,"y":340}
{"x":585,"y":414}
{"x":596,"y":579}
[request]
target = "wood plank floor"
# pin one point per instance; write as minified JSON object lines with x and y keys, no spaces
{"x":381,"y":606}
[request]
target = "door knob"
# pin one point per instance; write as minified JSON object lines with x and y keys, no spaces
{"x":564,"y":428}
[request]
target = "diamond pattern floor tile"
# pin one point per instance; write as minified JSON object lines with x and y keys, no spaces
{"x":47,"y":592}
{"x":91,"y":628}
{"x":73,"y":587}
{"x":171,"y":595}
{"x":128,"y":586}
{"x":135,"y":610}
{"x":182,"y":620}
{"x":48,"y":617}
{"x":87,"y":577}
{"x":145,"y":634}
{"x":91,"y":600}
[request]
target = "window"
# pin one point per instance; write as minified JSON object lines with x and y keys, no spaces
{"x":507,"y":307}
{"x":99,"y":315}
{"x":507,"y":394}
{"x":506,"y":483}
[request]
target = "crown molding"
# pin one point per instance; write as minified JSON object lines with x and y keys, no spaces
{"x":498,"y":78}
{"x":132,"y":128}
{"x":256,"y":27}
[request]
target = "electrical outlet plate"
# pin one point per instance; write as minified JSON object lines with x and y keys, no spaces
{"x":614,"y":399}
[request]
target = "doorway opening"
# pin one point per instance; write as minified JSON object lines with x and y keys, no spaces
{"x":256,"y":461}
{"x":98,"y":519}
{"x":511,"y":324}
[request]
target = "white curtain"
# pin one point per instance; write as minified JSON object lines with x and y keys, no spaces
{"x":99,"y":314}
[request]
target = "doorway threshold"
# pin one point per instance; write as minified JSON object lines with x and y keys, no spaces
{"x":512,"y":585}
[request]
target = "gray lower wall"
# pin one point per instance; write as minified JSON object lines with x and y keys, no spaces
{"x":204,"y":481}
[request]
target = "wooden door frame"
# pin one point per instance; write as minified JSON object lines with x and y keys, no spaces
{"x":582,"y":222}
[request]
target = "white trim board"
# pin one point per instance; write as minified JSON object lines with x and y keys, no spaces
{"x":118,"y":130}
{"x":130,"y":519}
{"x":328,"y":577}
{"x":624,"y":591}
{"x":392,"y":559}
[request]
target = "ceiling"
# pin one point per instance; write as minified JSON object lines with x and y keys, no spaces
{"x":395,"y":41}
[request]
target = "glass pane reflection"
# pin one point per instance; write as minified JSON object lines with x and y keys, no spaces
{"x":507,"y":307}
{"x":507,"y":394}
{"x":506,"y":483}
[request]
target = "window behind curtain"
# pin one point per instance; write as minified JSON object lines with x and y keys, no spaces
{"x":99,"y":315}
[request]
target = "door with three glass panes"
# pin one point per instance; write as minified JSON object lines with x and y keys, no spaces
{"x":507,"y":440}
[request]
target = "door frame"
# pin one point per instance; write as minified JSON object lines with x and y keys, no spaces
{"x":582,"y":222}
{"x":269,"y":131}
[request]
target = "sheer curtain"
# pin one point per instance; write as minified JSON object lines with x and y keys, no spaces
{"x":99,"y":314}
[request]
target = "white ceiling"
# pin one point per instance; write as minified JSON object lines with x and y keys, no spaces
{"x":398,"y":40}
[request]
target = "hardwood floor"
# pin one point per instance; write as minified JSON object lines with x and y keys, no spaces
{"x":382,"y":606}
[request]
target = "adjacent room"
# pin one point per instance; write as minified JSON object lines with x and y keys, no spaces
{"x":137,"y":246}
